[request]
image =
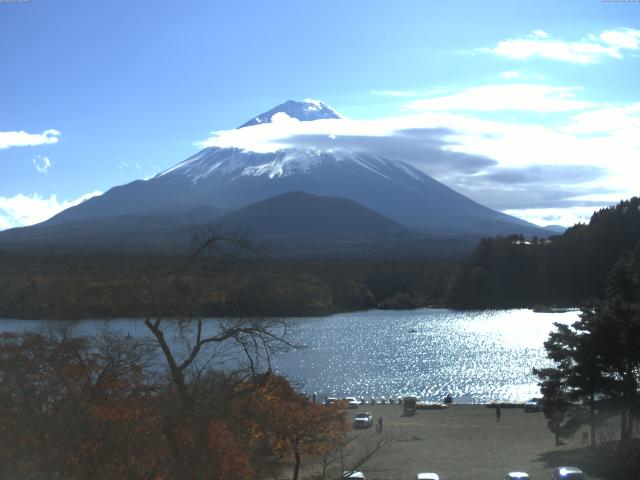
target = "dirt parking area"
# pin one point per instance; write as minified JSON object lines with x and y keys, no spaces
{"x":462,"y":442}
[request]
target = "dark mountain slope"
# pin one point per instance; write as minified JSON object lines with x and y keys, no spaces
{"x":302,"y":213}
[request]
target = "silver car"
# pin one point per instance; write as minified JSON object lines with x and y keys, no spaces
{"x":568,"y":473}
{"x":363,"y":420}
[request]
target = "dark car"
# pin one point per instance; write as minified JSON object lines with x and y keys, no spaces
{"x":532,"y":405}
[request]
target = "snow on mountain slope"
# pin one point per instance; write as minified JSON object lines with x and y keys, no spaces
{"x":307,"y":110}
{"x":219,"y":162}
{"x":230,"y":178}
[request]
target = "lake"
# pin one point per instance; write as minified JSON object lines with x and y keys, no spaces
{"x":476,"y":356}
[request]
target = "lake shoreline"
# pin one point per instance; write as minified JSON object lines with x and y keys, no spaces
{"x":310,"y":314}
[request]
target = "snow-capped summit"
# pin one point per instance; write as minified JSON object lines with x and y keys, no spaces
{"x":229,"y":178}
{"x":305,"y":111}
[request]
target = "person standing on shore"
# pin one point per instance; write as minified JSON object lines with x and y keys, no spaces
{"x":498,"y":412}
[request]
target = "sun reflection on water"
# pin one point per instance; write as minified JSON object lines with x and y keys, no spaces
{"x":476,"y":356}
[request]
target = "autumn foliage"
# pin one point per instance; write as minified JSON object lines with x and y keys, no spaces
{"x":284,"y":422}
{"x":78,"y":408}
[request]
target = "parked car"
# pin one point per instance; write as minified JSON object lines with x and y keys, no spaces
{"x":363,"y":420}
{"x":358,"y":475}
{"x":533,"y":405}
{"x":330,"y":400}
{"x":352,"y":402}
{"x":517,"y":476}
{"x":428,"y":476}
{"x":568,"y":473}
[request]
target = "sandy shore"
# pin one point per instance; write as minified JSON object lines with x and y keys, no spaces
{"x":462,"y":442}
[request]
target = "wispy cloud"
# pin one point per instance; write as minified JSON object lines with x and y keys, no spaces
{"x":553,"y":216}
{"x":609,"y":44}
{"x":619,"y":119}
{"x":522,"y":75}
{"x":24,"y":210}
{"x":24,"y":139}
{"x":506,"y":97}
{"x":122,"y":165}
{"x":41,"y":163}
{"x":590,"y":148}
{"x":394,"y":93}
{"x":511,"y":75}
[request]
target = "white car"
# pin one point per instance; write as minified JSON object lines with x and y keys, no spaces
{"x":568,"y":473}
{"x":363,"y":420}
{"x":352,"y":402}
{"x":517,"y":476}
{"x":428,"y":476}
{"x":359,"y":475}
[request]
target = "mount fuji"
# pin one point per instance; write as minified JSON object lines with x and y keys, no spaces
{"x":228,"y":179}
{"x":306,"y":111}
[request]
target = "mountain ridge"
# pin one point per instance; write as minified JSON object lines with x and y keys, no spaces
{"x":230,"y":179}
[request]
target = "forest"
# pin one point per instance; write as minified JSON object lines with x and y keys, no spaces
{"x":502,"y":272}
{"x":109,"y":286}
{"x":563,"y":270}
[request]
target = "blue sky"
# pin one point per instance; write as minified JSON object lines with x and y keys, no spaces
{"x":100,"y":93}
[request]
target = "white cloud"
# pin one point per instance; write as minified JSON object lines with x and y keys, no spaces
{"x":24,"y":139}
{"x":504,"y":97}
{"x":41,"y":163}
{"x":24,"y":210}
{"x":511,"y":74}
{"x":394,"y":93}
{"x":622,"y":38}
{"x":522,"y":75}
{"x":552,"y":216}
{"x":539,"y":34}
{"x":609,"y":119}
{"x":593,"y":49}
{"x":593,"y":149}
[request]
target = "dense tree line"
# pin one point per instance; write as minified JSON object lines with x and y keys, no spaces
{"x":562,"y":270}
{"x":108,"y":286}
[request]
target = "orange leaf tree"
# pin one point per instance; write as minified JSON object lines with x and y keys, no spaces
{"x":275,"y":415}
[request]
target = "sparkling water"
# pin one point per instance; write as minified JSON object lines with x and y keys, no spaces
{"x":477,"y":356}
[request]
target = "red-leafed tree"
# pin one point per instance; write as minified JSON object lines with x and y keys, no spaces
{"x":76,"y":407}
{"x":276,"y":416}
